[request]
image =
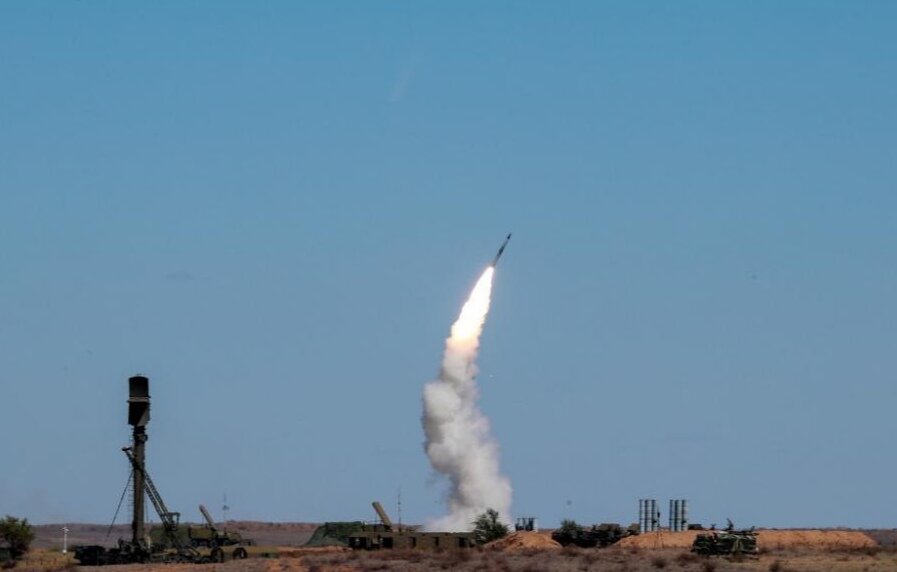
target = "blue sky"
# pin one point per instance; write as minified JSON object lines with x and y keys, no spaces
{"x":274,"y":210}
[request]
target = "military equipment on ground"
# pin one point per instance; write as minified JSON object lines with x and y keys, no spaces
{"x":170,"y":520}
{"x":92,"y":555}
{"x":386,"y":535}
{"x":175,"y":546}
{"x":334,"y":533}
{"x":598,"y":535}
{"x":729,"y":542}
{"x":385,"y":521}
{"x":210,"y":536}
{"x":525,"y":524}
{"x":137,"y":549}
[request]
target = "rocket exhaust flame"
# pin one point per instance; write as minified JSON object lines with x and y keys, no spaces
{"x":458,"y":441}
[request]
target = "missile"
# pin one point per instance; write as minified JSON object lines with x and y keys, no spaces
{"x":500,"y":250}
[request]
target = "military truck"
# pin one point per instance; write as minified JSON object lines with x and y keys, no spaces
{"x":729,"y":542}
{"x":210,"y":536}
{"x":598,"y":535}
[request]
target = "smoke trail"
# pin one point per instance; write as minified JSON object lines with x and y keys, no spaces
{"x":458,"y":442}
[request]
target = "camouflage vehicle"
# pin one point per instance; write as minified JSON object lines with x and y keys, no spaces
{"x":210,"y":536}
{"x":125,"y":553}
{"x":334,"y":533}
{"x":729,"y":542}
{"x":92,"y":555}
{"x":599,"y":535}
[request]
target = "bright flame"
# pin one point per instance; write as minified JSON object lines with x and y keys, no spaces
{"x":469,"y":325}
{"x":458,"y":442}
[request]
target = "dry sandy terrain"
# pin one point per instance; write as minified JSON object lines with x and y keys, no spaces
{"x":615,"y":559}
{"x":781,"y":551}
{"x":518,"y":556}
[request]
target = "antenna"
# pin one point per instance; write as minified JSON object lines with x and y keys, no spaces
{"x":224,"y":507}
{"x":399,"y":506}
{"x":138,"y":418}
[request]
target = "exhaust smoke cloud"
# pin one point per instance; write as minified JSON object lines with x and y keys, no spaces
{"x":458,"y":440}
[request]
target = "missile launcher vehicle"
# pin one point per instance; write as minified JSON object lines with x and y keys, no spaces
{"x":598,"y":535}
{"x":211,"y":536}
{"x":729,"y":542}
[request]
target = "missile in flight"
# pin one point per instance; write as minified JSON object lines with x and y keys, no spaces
{"x":501,"y":250}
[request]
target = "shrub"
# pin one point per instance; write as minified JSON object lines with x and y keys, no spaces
{"x":16,"y":536}
{"x":568,"y":527}
{"x":487,"y":527}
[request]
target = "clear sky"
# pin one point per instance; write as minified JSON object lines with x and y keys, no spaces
{"x":274,"y":210}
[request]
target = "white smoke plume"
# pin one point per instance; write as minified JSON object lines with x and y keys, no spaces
{"x":458,"y":441}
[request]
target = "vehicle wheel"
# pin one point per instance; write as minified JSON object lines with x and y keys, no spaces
{"x":217,"y":555}
{"x":736,"y":550}
{"x":240,"y":553}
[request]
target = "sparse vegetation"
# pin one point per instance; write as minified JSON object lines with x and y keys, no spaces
{"x":568,"y":527}
{"x":487,"y":527}
{"x":504,"y":556}
{"x":16,"y":536}
{"x":593,"y":560}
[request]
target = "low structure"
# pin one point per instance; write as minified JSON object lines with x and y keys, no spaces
{"x":373,"y":539}
{"x":384,"y":535}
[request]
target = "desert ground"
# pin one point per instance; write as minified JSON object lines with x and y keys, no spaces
{"x":780,"y":551}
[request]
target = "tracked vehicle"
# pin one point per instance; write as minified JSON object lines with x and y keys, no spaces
{"x":598,"y":535}
{"x":728,"y":542}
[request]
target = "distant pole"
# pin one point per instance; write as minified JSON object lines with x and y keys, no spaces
{"x":224,"y":509}
{"x":65,"y":539}
{"x":399,"y":506}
